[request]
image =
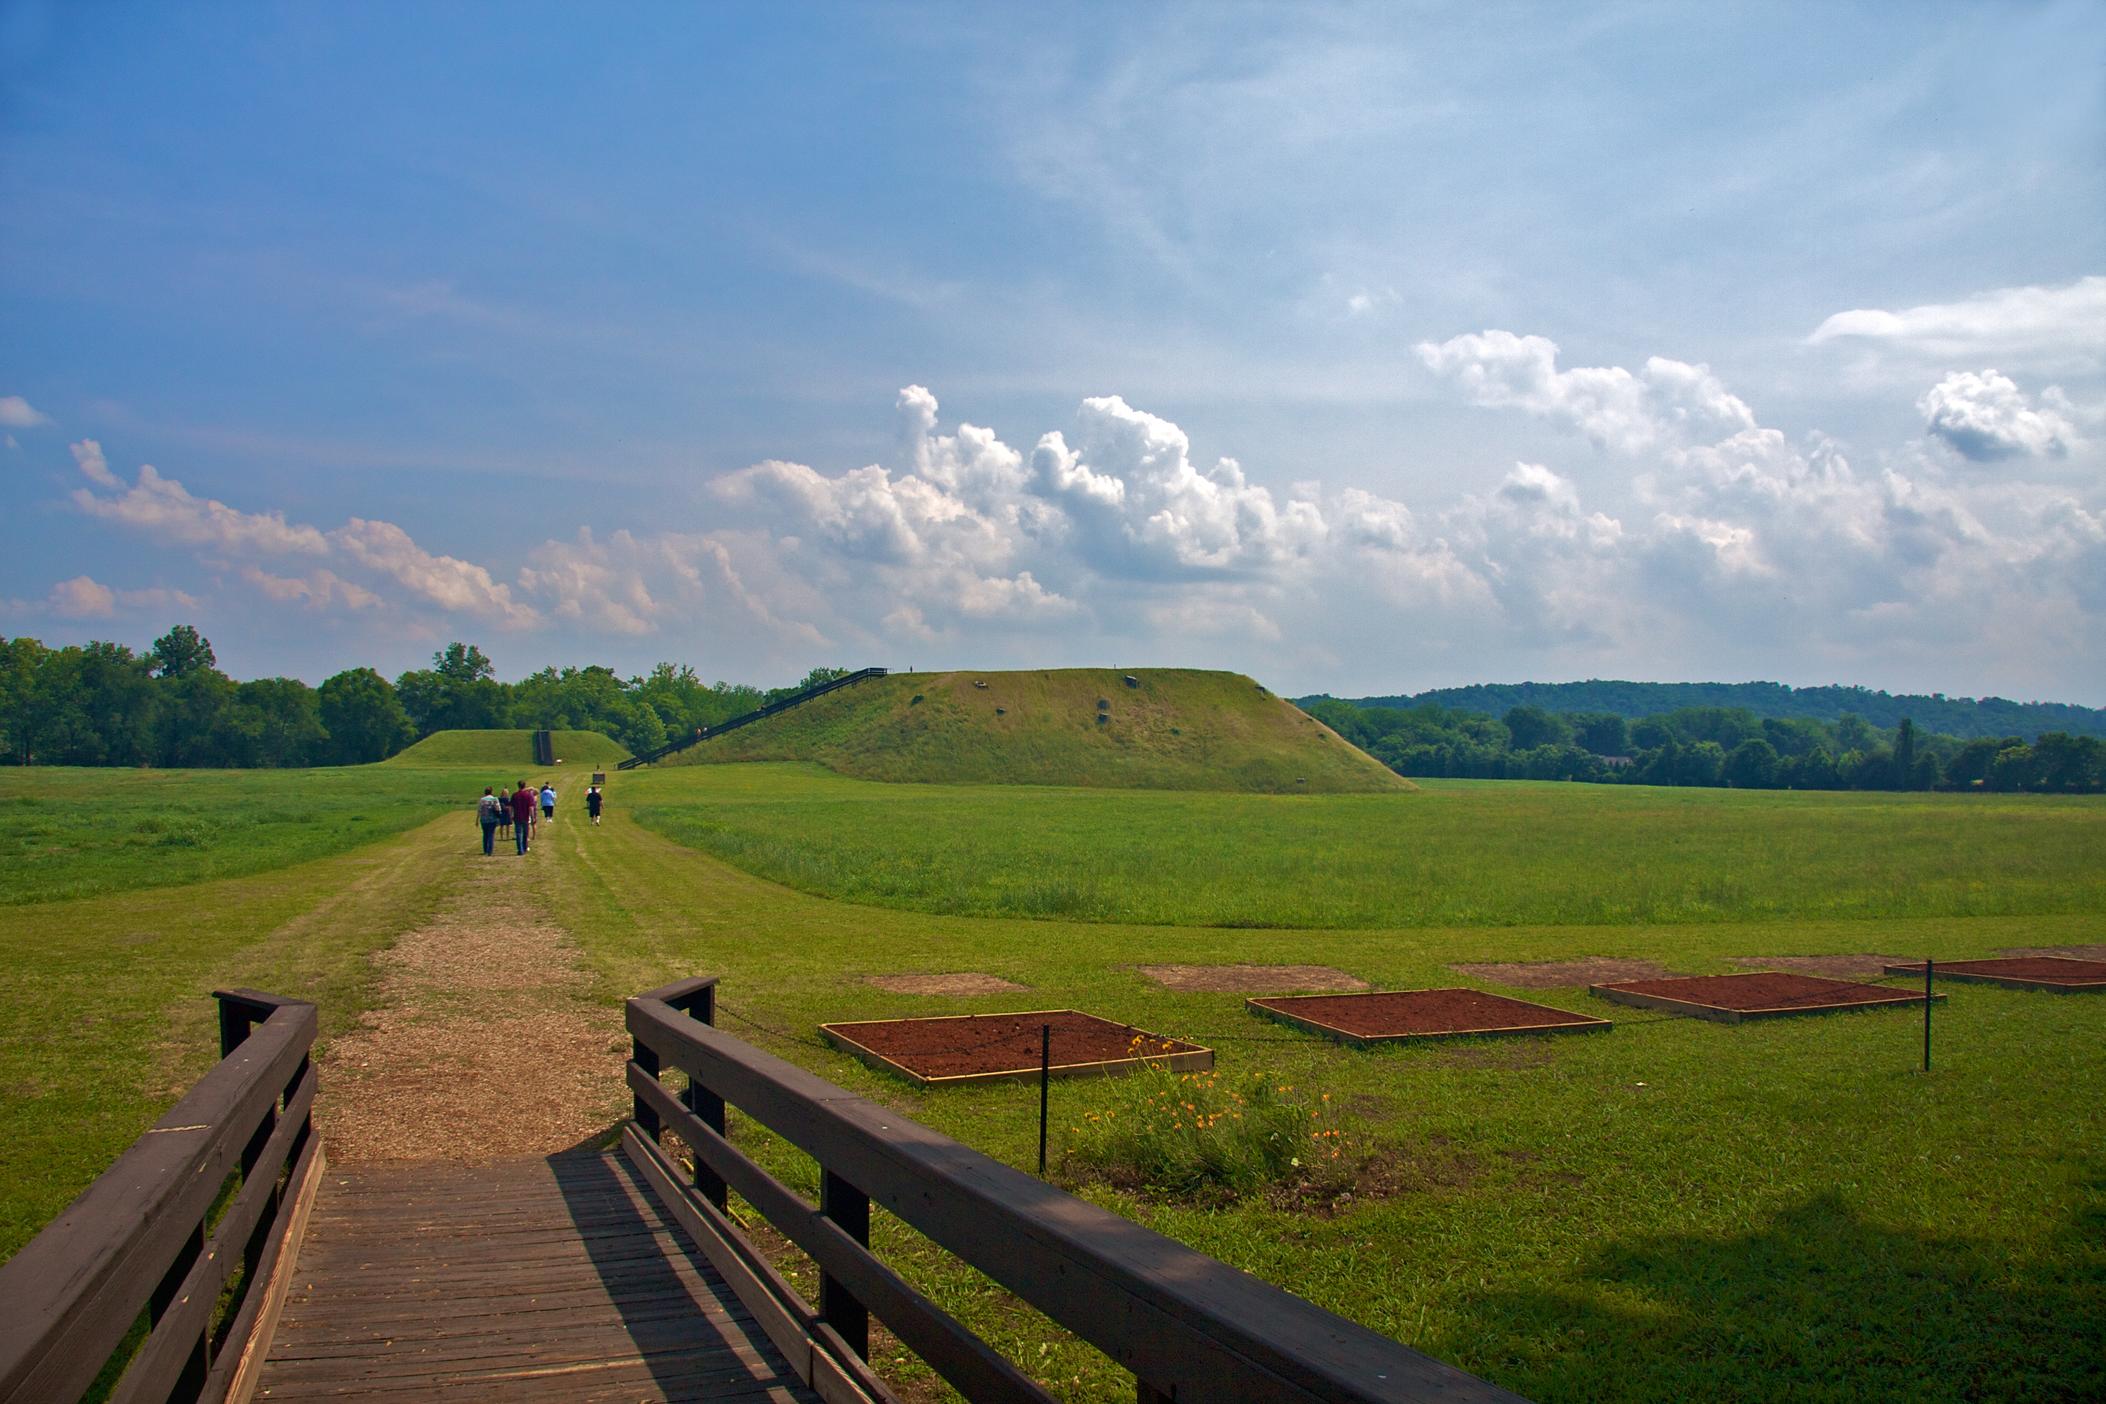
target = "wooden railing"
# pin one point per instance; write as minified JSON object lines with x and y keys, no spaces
{"x":1190,"y":1328}
{"x":781,"y":704}
{"x":142,"y":1245}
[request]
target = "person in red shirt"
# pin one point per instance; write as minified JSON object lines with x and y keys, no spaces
{"x":523,"y":802}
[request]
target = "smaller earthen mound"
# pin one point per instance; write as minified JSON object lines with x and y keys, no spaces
{"x":1248,"y":979}
{"x":957,"y":982}
{"x":1845,"y":967}
{"x":2073,"y":952}
{"x":1556,"y":974}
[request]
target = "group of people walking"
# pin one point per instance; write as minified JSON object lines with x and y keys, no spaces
{"x":521,"y":812}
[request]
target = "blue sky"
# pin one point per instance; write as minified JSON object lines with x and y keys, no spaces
{"x":1364,"y":349}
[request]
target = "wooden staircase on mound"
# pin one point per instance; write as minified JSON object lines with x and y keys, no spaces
{"x":220,"y":1258}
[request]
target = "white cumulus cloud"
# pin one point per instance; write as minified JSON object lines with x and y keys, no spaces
{"x":318,"y":589}
{"x":163,"y":509}
{"x":449,"y":582}
{"x":1736,"y":536}
{"x":88,"y":455}
{"x":1664,"y":403}
{"x":943,"y":543}
{"x":1717,"y":538}
{"x":1984,"y":416}
{"x":2037,"y":325}
{"x":84,"y":597}
{"x":1166,"y":516}
{"x":18,"y":413}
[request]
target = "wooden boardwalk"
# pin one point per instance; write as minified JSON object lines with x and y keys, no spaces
{"x":535,"y":1279}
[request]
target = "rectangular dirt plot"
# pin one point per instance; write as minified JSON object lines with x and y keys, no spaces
{"x":1728,"y":999}
{"x":1005,"y":1047}
{"x":2059,"y":973}
{"x":1393,"y":1015}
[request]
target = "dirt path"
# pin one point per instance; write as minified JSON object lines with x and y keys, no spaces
{"x":484,"y":1042}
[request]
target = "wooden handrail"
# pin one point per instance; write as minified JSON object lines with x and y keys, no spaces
{"x":142,"y":1239}
{"x":1188,"y":1326}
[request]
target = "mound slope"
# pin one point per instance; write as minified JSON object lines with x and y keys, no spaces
{"x":511,"y":750}
{"x":1173,"y":729}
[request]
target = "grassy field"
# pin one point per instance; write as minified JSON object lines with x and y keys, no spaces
{"x":1173,"y":729}
{"x":108,"y":1017}
{"x":78,"y":833}
{"x":1459,"y":853}
{"x":510,"y":753}
{"x":1671,"y":1210}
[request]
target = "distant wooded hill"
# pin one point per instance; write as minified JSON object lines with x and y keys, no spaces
{"x":1966,"y":717}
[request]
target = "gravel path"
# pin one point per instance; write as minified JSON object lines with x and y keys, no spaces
{"x":484,"y":1043}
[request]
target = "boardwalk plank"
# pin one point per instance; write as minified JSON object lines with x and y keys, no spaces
{"x":415,"y":1317}
{"x":555,"y":1279}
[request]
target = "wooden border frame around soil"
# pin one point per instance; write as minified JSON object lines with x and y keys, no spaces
{"x":1185,"y":1057}
{"x":1970,"y":972}
{"x":1726,"y":1014}
{"x":1269,"y":1007}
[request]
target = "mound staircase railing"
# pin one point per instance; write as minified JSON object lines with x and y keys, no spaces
{"x":212,"y":1197}
{"x":781,"y":704}
{"x":1188,"y":1326}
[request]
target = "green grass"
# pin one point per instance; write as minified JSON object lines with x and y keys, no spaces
{"x":512,"y":752}
{"x":1459,"y":853}
{"x":1670,"y":1210}
{"x":1177,"y":729}
{"x":108,"y":1017}
{"x":68,"y":833}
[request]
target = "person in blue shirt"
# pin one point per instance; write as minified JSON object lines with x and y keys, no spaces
{"x":548,"y":802}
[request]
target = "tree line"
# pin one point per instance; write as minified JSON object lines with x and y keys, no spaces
{"x":1707,"y":745}
{"x":103,"y":704}
{"x":1970,"y":718}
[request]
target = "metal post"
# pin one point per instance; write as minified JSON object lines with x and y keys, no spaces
{"x":1045,"y":1075}
{"x":1927,"y":967}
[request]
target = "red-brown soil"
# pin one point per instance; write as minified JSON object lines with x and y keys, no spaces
{"x":1420,"y":1014}
{"x":1248,"y":979}
{"x":2094,"y":952}
{"x":1007,"y":1045}
{"x":1561,"y":974}
{"x":2059,"y":971}
{"x":1762,"y":992}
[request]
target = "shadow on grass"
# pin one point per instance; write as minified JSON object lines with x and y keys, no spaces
{"x":1816,"y":1303}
